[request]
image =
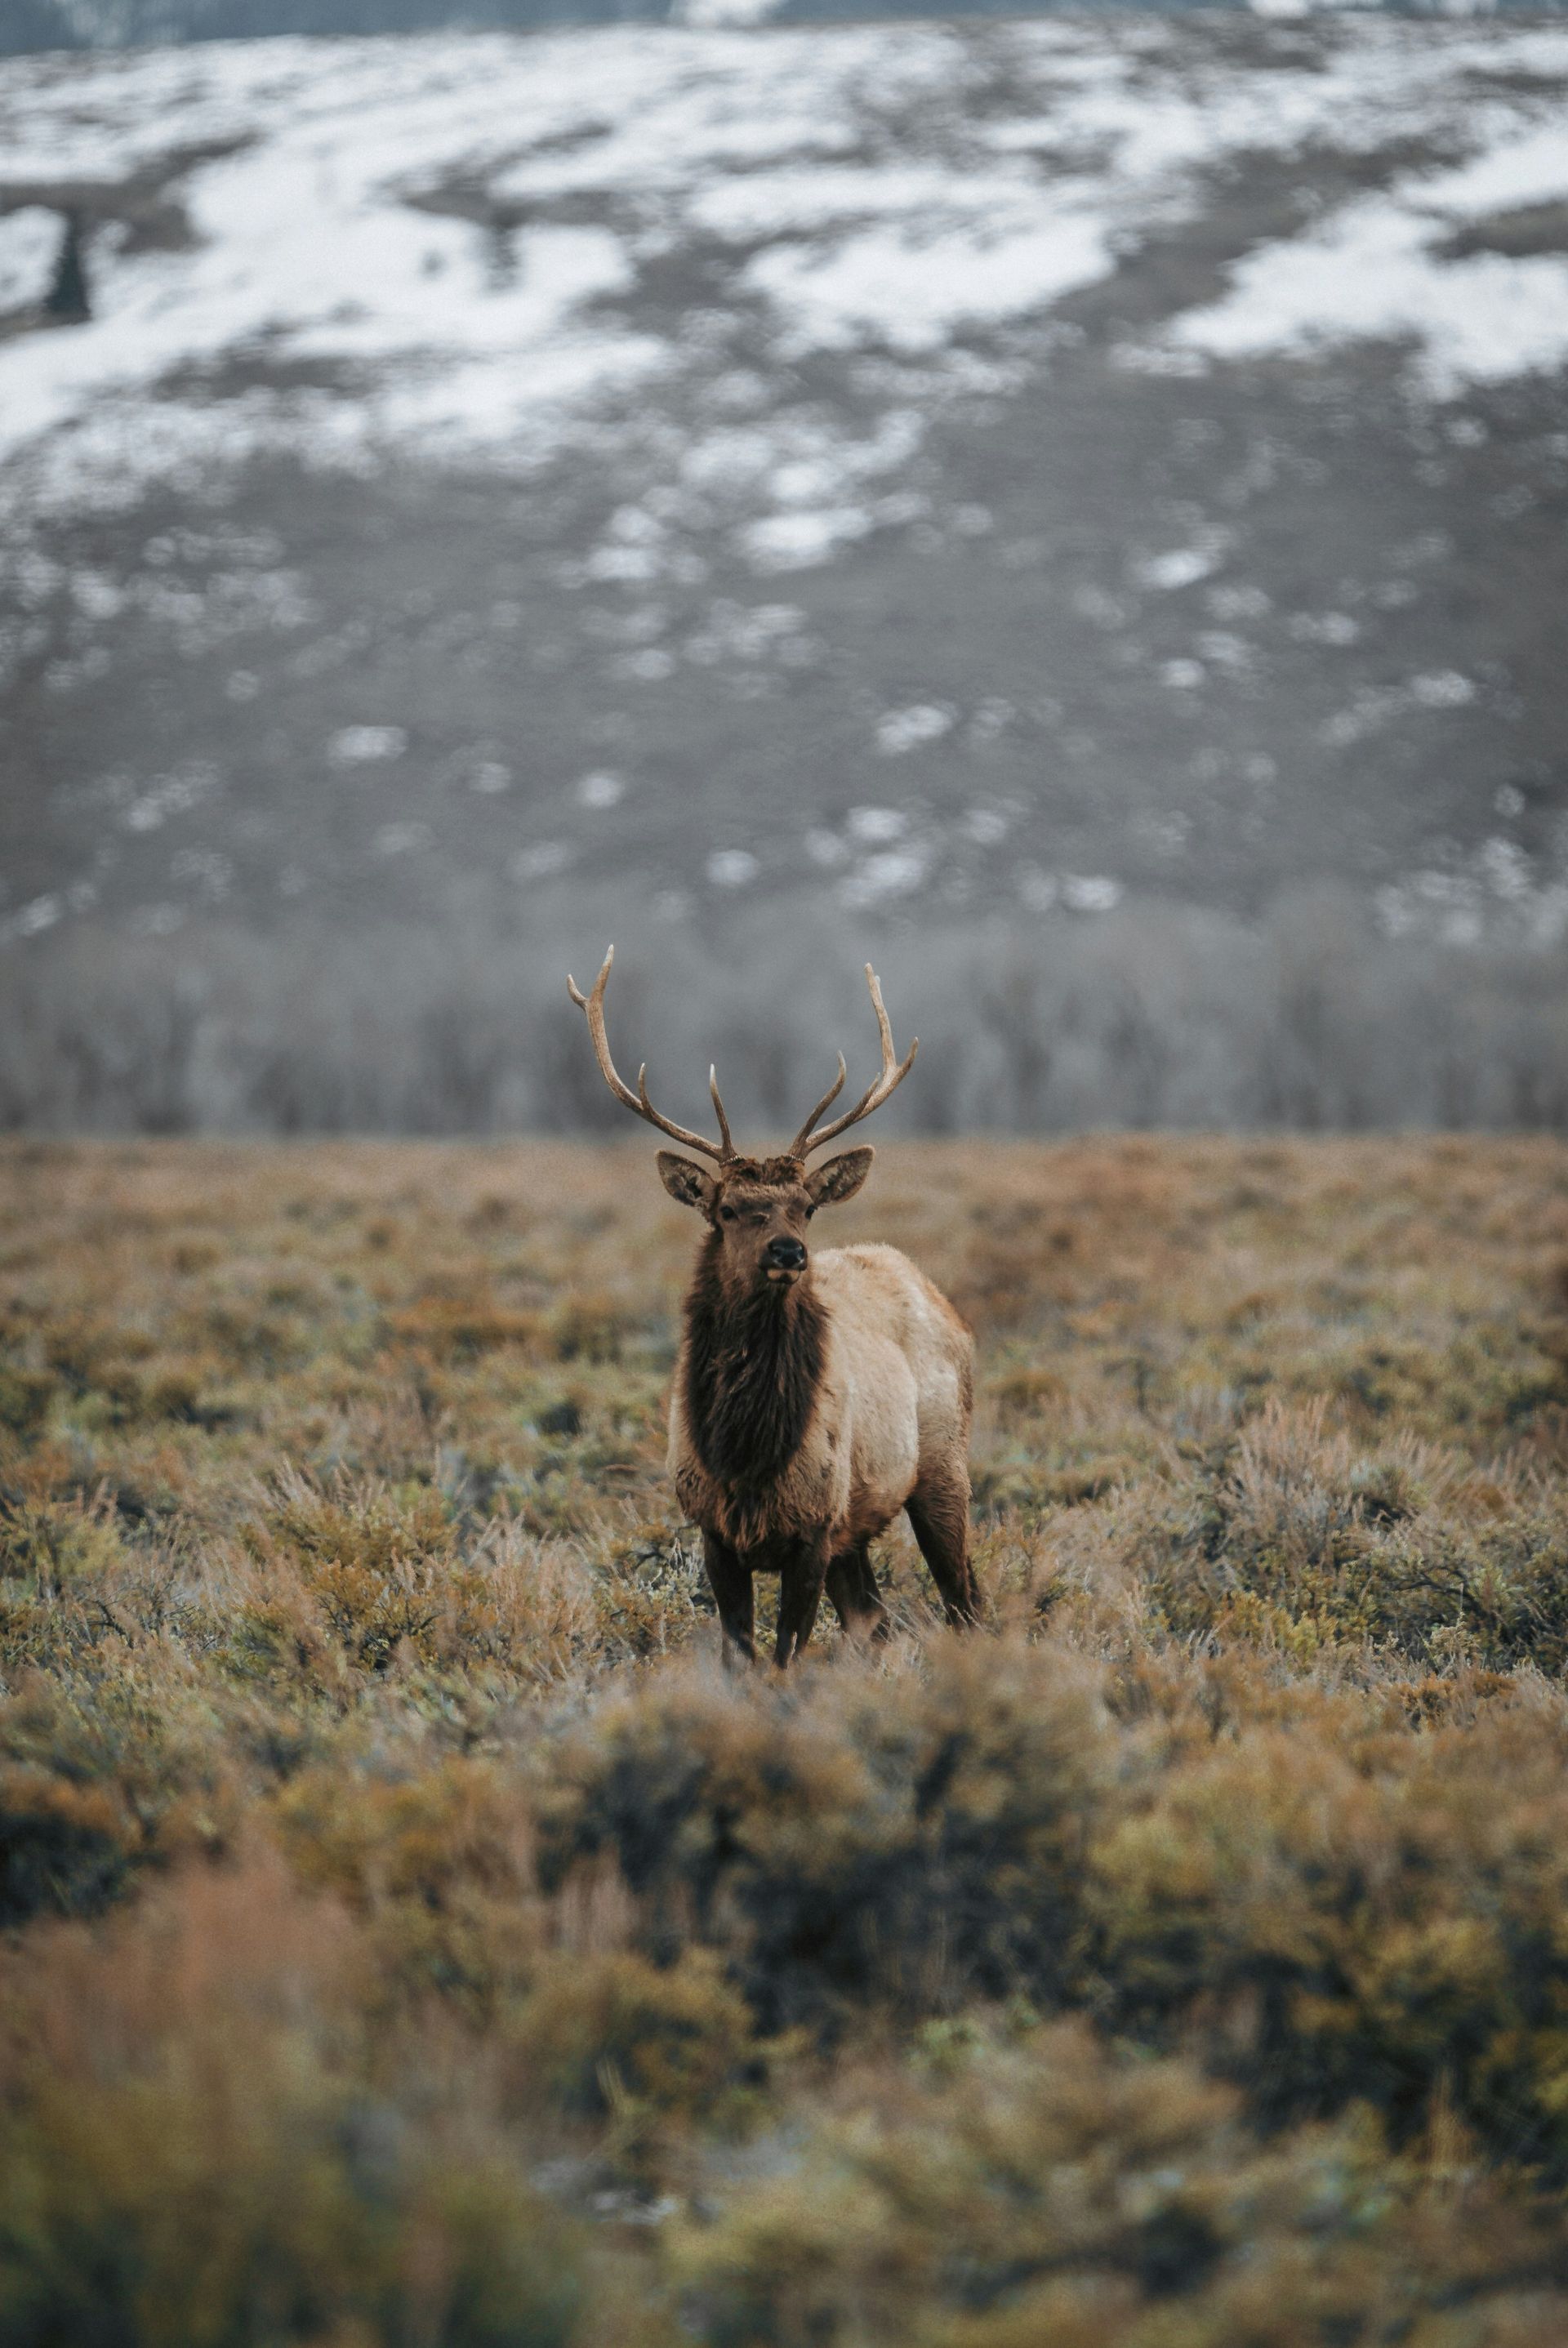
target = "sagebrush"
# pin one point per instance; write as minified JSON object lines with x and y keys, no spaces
{"x":413,"y":1936}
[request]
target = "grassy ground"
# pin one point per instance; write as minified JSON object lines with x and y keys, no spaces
{"x":412,"y":1937}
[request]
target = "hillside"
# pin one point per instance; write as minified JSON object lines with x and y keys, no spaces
{"x":411,"y":1935}
{"x":944,"y":483}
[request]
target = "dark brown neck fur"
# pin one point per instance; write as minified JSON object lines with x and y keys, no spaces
{"x":753,"y":1365}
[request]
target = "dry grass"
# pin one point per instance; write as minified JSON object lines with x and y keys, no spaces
{"x":412,"y":1937}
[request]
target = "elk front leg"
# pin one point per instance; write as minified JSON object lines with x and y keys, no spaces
{"x":852,"y":1587}
{"x":939,"y":1519}
{"x":729,"y":1579}
{"x":801,"y":1580}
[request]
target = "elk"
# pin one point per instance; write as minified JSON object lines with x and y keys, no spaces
{"x":814,"y":1395}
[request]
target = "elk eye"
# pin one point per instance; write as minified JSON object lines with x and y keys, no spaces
{"x":726,"y":1214}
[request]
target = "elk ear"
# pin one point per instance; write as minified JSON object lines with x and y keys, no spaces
{"x":839,"y":1178}
{"x":685,"y":1181}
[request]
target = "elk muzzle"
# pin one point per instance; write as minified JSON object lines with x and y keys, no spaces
{"x":784,"y":1259}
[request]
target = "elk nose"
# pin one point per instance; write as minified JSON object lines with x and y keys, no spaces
{"x":786,"y":1255}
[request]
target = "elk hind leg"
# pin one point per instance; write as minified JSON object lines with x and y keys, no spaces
{"x":938,"y":1513}
{"x":852,"y":1587}
{"x":729,"y":1579}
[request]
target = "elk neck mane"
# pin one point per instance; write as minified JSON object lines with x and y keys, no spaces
{"x":753,"y":1366}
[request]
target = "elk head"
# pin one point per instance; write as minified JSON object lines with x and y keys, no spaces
{"x":757,"y":1208}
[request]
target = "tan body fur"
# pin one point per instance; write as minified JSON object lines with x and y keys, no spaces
{"x":892,"y":1414}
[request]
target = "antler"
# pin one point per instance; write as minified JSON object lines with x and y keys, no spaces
{"x":811,"y":1136}
{"x":593,"y":1005}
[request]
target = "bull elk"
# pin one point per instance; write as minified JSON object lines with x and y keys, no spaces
{"x":814,"y":1396}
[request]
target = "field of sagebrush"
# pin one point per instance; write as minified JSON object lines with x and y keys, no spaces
{"x":410,"y":1937}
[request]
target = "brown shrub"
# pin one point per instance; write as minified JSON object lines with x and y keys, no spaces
{"x":440,"y":1857}
{"x":25,"y":1397}
{"x":1299,"y":1535}
{"x":898,"y":1844}
{"x":1045,"y":2191}
{"x":102,"y":1778}
{"x":1343,"y":1929}
{"x":200,"y":2146}
{"x":612,"y":2037}
{"x":374,"y":1563}
{"x":451,"y":1330}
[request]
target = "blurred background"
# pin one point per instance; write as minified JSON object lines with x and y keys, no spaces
{"x":1069,"y":507}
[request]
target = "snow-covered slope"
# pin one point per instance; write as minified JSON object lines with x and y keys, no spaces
{"x":1008,"y":464}
{"x":465,"y":228}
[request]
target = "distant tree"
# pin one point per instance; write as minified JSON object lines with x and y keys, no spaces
{"x":67,"y":300}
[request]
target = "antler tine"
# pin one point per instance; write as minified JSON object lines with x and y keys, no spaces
{"x":593,"y":1005}
{"x":719,"y":1150}
{"x":713,"y":1094}
{"x":798,"y":1146}
{"x":893,"y":1074}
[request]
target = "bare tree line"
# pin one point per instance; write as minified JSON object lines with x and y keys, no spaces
{"x":1155,"y":1015}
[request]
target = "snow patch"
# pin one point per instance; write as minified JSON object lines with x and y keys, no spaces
{"x":803,"y":537}
{"x":1184,"y":566}
{"x":600,"y":791}
{"x":1375,"y":270}
{"x":333,"y":231}
{"x":542,"y":861}
{"x":31,"y":919}
{"x":896,"y":873}
{"x":911,"y":287}
{"x":902,"y":730}
{"x":402,"y":838}
{"x":29,"y":248}
{"x":1091,"y":892}
{"x":364,"y":745}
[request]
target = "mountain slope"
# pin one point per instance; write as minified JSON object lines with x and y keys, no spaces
{"x":920,"y":473}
